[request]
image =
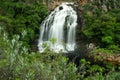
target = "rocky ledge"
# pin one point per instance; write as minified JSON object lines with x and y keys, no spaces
{"x":102,"y":57}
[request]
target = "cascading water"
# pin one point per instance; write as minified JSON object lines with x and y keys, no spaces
{"x":60,"y":28}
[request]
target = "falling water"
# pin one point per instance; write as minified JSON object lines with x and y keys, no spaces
{"x":58,"y":29}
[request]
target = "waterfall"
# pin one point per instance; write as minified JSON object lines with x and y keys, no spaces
{"x":58,"y":29}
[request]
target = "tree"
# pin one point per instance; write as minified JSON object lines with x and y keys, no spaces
{"x":20,"y":15}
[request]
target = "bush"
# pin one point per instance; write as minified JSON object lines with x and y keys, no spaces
{"x":18,"y":64}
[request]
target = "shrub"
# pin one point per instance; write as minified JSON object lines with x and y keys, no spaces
{"x":18,"y":64}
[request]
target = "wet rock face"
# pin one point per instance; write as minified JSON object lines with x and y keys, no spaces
{"x":53,"y":5}
{"x":81,"y":38}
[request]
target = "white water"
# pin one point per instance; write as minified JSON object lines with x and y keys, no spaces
{"x":53,"y":28}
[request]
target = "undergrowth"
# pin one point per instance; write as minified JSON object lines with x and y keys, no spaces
{"x":17,"y":63}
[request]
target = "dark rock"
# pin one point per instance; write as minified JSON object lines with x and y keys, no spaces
{"x":60,"y":8}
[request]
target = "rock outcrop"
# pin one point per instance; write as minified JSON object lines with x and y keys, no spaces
{"x":106,"y":57}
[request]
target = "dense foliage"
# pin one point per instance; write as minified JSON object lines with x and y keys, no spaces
{"x":17,"y":63}
{"x":102,"y":28}
{"x":18,"y":16}
{"x":19,"y":26}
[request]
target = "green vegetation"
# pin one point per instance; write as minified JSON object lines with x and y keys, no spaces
{"x":18,"y":16}
{"x":16,"y":63}
{"x":102,"y":28}
{"x":19,"y":26}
